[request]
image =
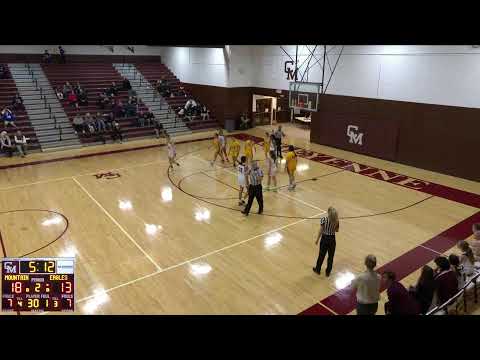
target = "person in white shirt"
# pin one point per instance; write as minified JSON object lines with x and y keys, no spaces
{"x":367,"y":285}
{"x":171,"y":152}
{"x":21,"y":143}
{"x":223,"y":145}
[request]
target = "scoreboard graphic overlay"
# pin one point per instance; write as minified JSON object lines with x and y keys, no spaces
{"x":45,"y":284}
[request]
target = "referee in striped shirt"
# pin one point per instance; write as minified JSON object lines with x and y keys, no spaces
{"x":329,"y":225}
{"x":255,"y":176}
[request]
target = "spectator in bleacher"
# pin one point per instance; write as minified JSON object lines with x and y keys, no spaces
{"x":89,"y":124}
{"x":109,"y":118}
{"x":83,"y":98}
{"x":8,"y":117}
{"x":467,"y":259}
{"x":78,"y":124}
{"x":118,"y":109}
{"x":3,"y":72}
{"x":130,"y":109}
{"x":17,"y":101}
{"x":457,"y":268}
{"x":400,"y":301}
{"x":181,"y":112}
{"x":446,"y":283}
{"x":424,"y":290}
{"x":116,"y":131}
{"x":149,"y":118}
{"x":103,"y":100}
{"x":46,"y":58}
{"x":63,"y":59}
{"x":112,"y":90}
{"x":367,"y":285}
{"x":6,"y":144}
{"x":67,"y":89}
{"x":21,"y":143}
{"x":190,"y":104}
{"x":132,"y":92}
{"x":73,"y":99}
{"x":126,"y":84}
{"x":475,"y":243}
{"x":100,"y":123}
{"x":59,"y":94}
{"x":181,"y":92}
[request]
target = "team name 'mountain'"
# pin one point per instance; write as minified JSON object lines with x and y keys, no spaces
{"x":15,"y":277}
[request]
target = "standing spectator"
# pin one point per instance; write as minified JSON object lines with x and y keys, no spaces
{"x":279,"y":134}
{"x":17,"y":101}
{"x":59,"y":94}
{"x":63,"y":59}
{"x":205,"y":113}
{"x":78,"y":124}
{"x":475,"y":244}
{"x":72,"y":99}
{"x":116,"y":131}
{"x":8,"y":117}
{"x":446,"y":282}
{"x":367,"y":285}
{"x":424,"y":290}
{"x":329,"y":225}
{"x":400,"y":302}
{"x":454,"y":261}
{"x":467,"y":259}
{"x":6,"y":144}
{"x":244,"y":122}
{"x":126,"y":84}
{"x":46,"y":58}
{"x":21,"y":143}
{"x":255,"y":175}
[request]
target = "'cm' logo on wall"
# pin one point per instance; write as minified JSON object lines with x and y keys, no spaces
{"x":355,"y":136}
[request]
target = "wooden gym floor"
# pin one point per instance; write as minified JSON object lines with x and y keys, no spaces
{"x":149,"y":242}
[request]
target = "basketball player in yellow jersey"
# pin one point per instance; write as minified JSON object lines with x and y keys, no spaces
{"x":249,"y":150}
{"x":234,"y":151}
{"x":291,"y":167}
{"x":217,"y":149}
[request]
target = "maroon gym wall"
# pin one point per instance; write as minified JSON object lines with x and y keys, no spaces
{"x":432,"y":137}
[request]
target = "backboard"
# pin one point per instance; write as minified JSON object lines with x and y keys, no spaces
{"x":304,"y":95}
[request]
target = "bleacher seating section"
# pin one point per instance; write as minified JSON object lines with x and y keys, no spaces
{"x":156,"y":71}
{"x":95,"y":77}
{"x":7,"y":92}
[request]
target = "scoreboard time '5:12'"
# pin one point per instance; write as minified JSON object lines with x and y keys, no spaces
{"x":38,"y":284}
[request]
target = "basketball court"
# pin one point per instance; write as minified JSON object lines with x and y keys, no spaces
{"x":149,"y":241}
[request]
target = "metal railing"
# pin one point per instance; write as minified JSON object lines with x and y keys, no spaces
{"x":454,"y":299}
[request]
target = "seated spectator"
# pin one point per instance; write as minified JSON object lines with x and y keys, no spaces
{"x":147,"y":118}
{"x":467,"y":259}
{"x":133,"y":99}
{"x":158,"y":128}
{"x":89,"y":123}
{"x":116,"y":131}
{"x":424,"y":290}
{"x":59,"y":94}
{"x":8,"y":117}
{"x":72,"y":99}
{"x":21,"y":143}
{"x":126,"y":84}
{"x":367,"y":285}
{"x":109,"y":118}
{"x":205,"y":113}
{"x":46,"y":58}
{"x":446,"y":283}
{"x":83,"y":99}
{"x":17,"y":101}
{"x":454,"y":261}
{"x":112,"y":90}
{"x":190,"y":104}
{"x":100,"y":123}
{"x":130,"y":109}
{"x":181,"y":92}
{"x":475,"y":243}
{"x":78,"y":124}
{"x":180,"y":112}
{"x":4,"y":73}
{"x":118,"y":109}
{"x":400,"y":302}
{"x":103,"y":100}
{"x":6,"y":144}
{"x":67,"y":89}
{"x":78,"y":89}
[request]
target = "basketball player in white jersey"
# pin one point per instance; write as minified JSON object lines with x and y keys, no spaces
{"x":223,"y":145}
{"x":242,"y":180}
{"x":171,"y":152}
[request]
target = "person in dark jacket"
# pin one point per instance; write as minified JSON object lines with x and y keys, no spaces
{"x":424,"y":290}
{"x":446,"y":282}
{"x":400,"y":302}
{"x":126,"y":84}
